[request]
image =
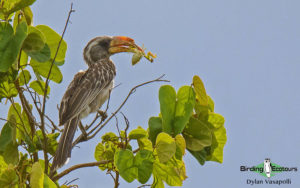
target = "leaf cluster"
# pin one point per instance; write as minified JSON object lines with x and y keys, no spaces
{"x":187,"y":122}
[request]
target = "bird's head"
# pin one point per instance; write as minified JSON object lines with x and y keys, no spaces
{"x":105,"y":46}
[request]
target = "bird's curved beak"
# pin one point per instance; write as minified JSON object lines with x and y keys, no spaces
{"x":123,"y":44}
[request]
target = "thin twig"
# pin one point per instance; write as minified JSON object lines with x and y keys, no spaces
{"x":99,"y":126}
{"x":46,"y":89}
{"x":75,"y":167}
{"x":117,"y":180}
{"x":117,"y":125}
{"x":145,"y":185}
{"x":126,"y":129}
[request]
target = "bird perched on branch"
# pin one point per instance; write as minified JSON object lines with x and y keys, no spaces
{"x":89,"y":89}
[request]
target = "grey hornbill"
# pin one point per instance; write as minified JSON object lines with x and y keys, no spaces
{"x":89,"y":89}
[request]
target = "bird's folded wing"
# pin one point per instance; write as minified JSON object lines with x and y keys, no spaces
{"x":83,"y":90}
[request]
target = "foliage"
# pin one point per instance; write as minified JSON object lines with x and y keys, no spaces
{"x":31,"y":56}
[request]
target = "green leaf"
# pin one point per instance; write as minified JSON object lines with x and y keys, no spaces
{"x":221,"y":138}
{"x":144,"y":162}
{"x":166,"y":173}
{"x":197,"y":135}
{"x":9,"y":178}
{"x":10,"y":43}
{"x":137,"y":133}
{"x":145,"y":143}
{"x":136,"y":58}
{"x":6,"y":136}
{"x":10,"y":6}
{"x":28,"y":15}
{"x":155,"y":127}
{"x":36,"y":176}
{"x":184,"y":108}
{"x":199,"y":155}
{"x":124,"y":161}
{"x":24,"y":77}
{"x":39,"y":87}
{"x":165,"y":147}
{"x":157,"y":182}
{"x":35,"y":40}
{"x":167,"y":99}
{"x":52,"y":39}
{"x":11,"y":154}
{"x":23,"y":59}
{"x":7,"y":90}
{"x":110,"y":136}
{"x":41,"y":56}
{"x":44,"y":68}
{"x":211,"y":104}
{"x":200,"y":90}
{"x":180,"y":146}
{"x":48,"y":183}
{"x":216,"y":120}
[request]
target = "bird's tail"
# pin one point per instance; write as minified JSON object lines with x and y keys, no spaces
{"x":64,"y":148}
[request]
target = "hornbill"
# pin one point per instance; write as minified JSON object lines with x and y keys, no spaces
{"x":89,"y":89}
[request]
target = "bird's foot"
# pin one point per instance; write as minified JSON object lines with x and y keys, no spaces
{"x":103,"y":114}
{"x":81,"y":127}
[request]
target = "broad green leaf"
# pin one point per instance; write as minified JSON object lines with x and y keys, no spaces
{"x":39,"y":87}
{"x":180,"y":146}
{"x":197,"y":135}
{"x":104,"y":152}
{"x":28,"y":15}
{"x":167,"y":99}
{"x":11,"y":154}
{"x":6,"y":136}
{"x":157,"y":182}
{"x":211,"y":104}
{"x":144,"y":162}
{"x":155,"y":127}
{"x":137,"y":133}
{"x":52,"y":39}
{"x":7,"y":90}
{"x":41,"y":56}
{"x":110,"y":136}
{"x":136,"y":58}
{"x":199,"y":155}
{"x":124,"y":161}
{"x":23,"y":59}
{"x":200,"y":90}
{"x":44,"y":68}
{"x":166,"y":173}
{"x":10,"y":6}
{"x":9,"y":178}
{"x":165,"y":147}
{"x":145,"y":143}
{"x":184,"y":108}
{"x":216,"y":120}
{"x":14,"y":117}
{"x":10,"y":43}
{"x":36,"y":176}
{"x":35,"y":40}
{"x":221,"y":138}
{"x":24,"y":77}
{"x":48,"y":183}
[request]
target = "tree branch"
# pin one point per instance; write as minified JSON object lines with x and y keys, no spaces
{"x":67,"y":171}
{"x":46,"y":89}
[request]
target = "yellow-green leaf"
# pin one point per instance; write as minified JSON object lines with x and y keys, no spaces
{"x":165,"y":147}
{"x":200,"y":90}
{"x":36,"y":176}
{"x":39,"y":87}
{"x":137,"y":133}
{"x":44,"y":68}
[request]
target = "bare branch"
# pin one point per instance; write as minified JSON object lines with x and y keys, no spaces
{"x":46,"y":89}
{"x":67,"y":171}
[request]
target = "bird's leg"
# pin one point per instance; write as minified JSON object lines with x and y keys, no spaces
{"x":103,"y":114}
{"x":82,"y":129}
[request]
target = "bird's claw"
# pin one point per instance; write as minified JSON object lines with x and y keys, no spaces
{"x":103,"y":114}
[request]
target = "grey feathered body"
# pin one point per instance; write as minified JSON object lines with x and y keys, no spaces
{"x":87,"y":92}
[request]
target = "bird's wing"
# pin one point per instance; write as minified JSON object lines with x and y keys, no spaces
{"x":84,"y":88}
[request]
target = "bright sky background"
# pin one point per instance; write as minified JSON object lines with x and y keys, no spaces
{"x":245,"y":51}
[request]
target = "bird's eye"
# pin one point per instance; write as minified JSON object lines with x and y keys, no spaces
{"x":104,"y":43}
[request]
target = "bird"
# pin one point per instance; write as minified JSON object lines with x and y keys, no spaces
{"x":89,"y":89}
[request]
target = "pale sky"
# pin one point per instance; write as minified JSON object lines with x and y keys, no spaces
{"x":245,"y":51}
